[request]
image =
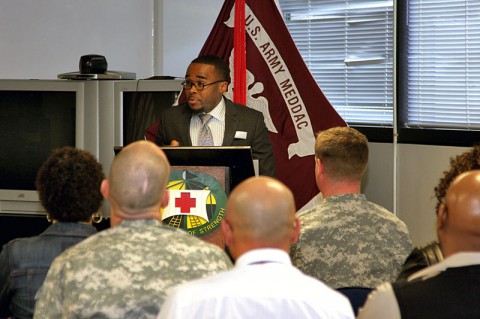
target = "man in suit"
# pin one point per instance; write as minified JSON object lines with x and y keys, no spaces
{"x":449,"y":288}
{"x":231,"y":124}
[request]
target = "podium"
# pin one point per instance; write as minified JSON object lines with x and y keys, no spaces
{"x":200,"y":180}
{"x":238,"y":160}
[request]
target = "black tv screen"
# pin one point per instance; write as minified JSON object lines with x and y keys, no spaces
{"x":141,"y":110}
{"x":32,"y":123}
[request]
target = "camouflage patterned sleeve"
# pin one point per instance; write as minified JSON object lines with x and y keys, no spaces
{"x":49,"y":296}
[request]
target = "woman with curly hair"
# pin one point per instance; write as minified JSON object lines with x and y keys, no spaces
{"x":462,"y":163}
{"x":431,"y":253}
{"x":68,"y":185}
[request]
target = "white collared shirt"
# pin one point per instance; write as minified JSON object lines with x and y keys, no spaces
{"x":263,"y":284}
{"x":216,"y":124}
{"x":382,"y":303}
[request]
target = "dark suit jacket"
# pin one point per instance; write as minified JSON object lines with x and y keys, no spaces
{"x":175,"y":125}
{"x":451,"y":294}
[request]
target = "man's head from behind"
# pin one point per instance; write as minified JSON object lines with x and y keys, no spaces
{"x":137,"y":183}
{"x":260,"y":214}
{"x":458,"y":218}
{"x":343,"y":152}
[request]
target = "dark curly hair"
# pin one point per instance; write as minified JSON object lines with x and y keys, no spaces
{"x":68,"y":184}
{"x":464,"y":162}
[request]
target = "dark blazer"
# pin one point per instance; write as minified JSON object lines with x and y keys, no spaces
{"x":450,"y":294}
{"x":175,"y":125}
{"x":420,"y":258}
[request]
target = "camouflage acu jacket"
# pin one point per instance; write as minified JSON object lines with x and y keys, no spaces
{"x":348,"y":241}
{"x":124,"y":272}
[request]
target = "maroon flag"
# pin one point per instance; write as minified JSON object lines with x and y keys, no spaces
{"x":279,"y":84}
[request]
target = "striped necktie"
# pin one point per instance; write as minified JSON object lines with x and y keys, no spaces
{"x":205,"y":138}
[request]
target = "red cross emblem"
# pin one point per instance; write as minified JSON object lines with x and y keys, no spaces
{"x":185,"y":203}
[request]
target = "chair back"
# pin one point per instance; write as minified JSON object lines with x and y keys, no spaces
{"x":356,"y":295}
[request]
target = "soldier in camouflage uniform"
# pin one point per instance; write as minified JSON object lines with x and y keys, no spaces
{"x":347,"y":241}
{"x":123,"y":272}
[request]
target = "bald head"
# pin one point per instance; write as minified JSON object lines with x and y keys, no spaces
{"x":458,"y":220}
{"x":260,"y":214}
{"x":138,"y":179}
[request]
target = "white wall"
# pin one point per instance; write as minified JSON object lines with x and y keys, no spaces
{"x":41,"y":39}
{"x":186,"y":26}
{"x":378,"y":182}
{"x":419,"y":170}
{"x":411,"y":196}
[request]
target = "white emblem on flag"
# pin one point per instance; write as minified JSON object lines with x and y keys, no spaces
{"x":188,"y":203}
{"x":285,"y":83}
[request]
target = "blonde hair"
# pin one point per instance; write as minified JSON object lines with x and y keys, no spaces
{"x":343,"y":152}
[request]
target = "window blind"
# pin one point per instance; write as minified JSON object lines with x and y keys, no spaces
{"x":443,"y":57}
{"x":348,"y":47}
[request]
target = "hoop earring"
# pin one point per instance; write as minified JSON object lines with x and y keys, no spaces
{"x":97,"y":217}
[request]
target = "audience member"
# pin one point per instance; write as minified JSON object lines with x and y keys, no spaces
{"x":449,"y":288}
{"x":419,"y":258}
{"x":431,"y":253}
{"x":260,"y":226}
{"x":123,"y":272}
{"x":231,"y":124}
{"x":347,"y":241}
{"x":68,"y":185}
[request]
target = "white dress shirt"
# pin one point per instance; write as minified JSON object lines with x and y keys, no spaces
{"x":382,"y":303}
{"x":216,"y":125}
{"x":263,"y":284}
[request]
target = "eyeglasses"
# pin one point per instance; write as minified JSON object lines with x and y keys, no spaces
{"x":187,"y":85}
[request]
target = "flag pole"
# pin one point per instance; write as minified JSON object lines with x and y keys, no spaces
{"x":240,"y":55}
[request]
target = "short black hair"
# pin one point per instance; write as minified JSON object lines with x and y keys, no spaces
{"x":220,"y":65}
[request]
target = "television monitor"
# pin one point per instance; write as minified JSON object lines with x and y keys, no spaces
{"x":139,"y":105}
{"x":37,"y":116}
{"x":128,"y":108}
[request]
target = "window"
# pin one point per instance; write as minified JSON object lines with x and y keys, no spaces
{"x":348,"y":47}
{"x":439,"y":64}
{"x":443,"y":64}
